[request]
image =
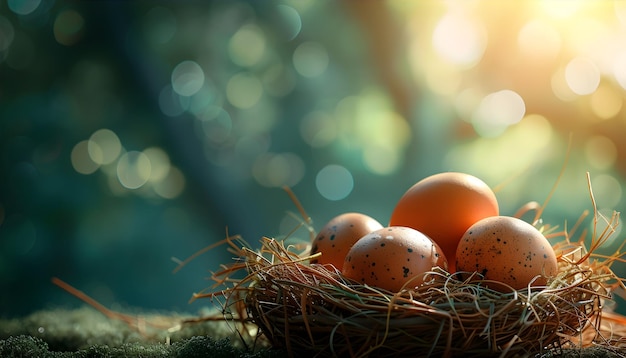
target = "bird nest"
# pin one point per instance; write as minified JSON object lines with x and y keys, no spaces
{"x":314,"y":310}
{"x":279,"y":297}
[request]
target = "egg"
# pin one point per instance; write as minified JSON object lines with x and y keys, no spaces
{"x":508,"y":250}
{"x":336,"y":238}
{"x":390,"y":257}
{"x":443,"y":206}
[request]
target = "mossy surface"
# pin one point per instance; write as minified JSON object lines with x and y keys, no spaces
{"x":199,"y":346}
{"x":85,"y":332}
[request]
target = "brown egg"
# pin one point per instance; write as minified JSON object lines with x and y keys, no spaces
{"x":390,"y":257}
{"x":336,"y":238}
{"x":443,"y":206}
{"x":508,"y":250}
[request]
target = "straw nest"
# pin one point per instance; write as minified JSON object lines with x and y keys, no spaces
{"x":312,"y":310}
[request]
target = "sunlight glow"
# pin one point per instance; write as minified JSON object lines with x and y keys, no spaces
{"x":539,"y":41}
{"x":497,"y":111}
{"x":582,"y":76}
{"x":459,"y":39}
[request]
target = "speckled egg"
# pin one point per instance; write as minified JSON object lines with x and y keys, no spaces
{"x":508,"y":250}
{"x":390,"y":257}
{"x":336,"y":238}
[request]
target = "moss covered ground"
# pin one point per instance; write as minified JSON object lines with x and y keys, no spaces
{"x":85,"y":332}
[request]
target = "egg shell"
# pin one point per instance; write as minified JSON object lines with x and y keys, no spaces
{"x":336,"y":238}
{"x":443,"y":206}
{"x":390,"y":257}
{"x":508,"y":250}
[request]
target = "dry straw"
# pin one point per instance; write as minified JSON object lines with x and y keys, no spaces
{"x":312,"y":310}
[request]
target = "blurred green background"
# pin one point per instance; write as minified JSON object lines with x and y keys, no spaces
{"x":134,"y":132}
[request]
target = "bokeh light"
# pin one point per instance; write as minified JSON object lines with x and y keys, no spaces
{"x":216,"y":124}
{"x":170,"y":102}
{"x":104,"y":147}
{"x":247,"y":46}
{"x":561,"y":9}
{"x":582,"y":76}
{"x":159,"y":163}
{"x":208,"y":96}
{"x":278,"y":80}
{"x":150,"y":169}
{"x":560,"y":87}
{"x":244,"y":90}
{"x":187,"y":78}
{"x":497,"y":111}
{"x":459,"y":39}
{"x":278,"y":169}
{"x":334,"y":182}
{"x":68,"y":27}
{"x":368,"y":123}
{"x":606,"y":102}
{"x":525,"y":141}
{"x":133,"y":169}
{"x":81,"y":159}
{"x":310,"y":59}
{"x":171,"y":185}
{"x":292,"y":20}
{"x":23,"y":7}
{"x":619,"y":68}
{"x":539,"y":41}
